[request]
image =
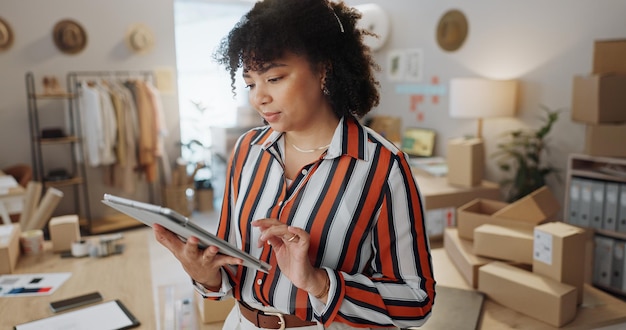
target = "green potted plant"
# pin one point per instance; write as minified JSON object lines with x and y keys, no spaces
{"x":521,"y":158}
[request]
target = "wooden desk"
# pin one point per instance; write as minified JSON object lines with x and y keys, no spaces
{"x":437,"y":193}
{"x":126,"y":277}
{"x":599,"y":309}
{"x":11,"y":197}
{"x":442,"y":199}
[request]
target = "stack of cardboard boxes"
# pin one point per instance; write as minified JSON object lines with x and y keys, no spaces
{"x":599,"y":202}
{"x":519,"y":257}
{"x":599,"y":100}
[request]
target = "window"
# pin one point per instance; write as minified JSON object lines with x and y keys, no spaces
{"x":205,"y":97}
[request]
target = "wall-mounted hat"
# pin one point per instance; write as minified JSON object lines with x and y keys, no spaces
{"x":69,"y":37}
{"x":375,"y":20}
{"x":452,"y":30}
{"x":139,"y":38}
{"x":6,"y":35}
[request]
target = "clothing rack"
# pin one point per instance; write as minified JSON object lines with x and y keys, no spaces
{"x":74,"y":80}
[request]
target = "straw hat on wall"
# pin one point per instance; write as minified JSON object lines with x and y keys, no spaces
{"x":6,"y":35}
{"x":69,"y":36}
{"x":139,"y":38}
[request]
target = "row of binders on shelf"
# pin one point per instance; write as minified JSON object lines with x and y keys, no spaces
{"x":597,"y":204}
{"x":609,"y":266}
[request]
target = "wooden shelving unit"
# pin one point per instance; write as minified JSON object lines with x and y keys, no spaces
{"x":40,"y":107}
{"x":588,"y":193}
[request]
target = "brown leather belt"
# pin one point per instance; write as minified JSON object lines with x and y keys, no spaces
{"x":270,"y":320}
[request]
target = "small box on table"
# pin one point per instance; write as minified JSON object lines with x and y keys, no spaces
{"x":212,"y":311}
{"x":9,"y":247}
{"x":64,"y":230}
{"x":481,"y":211}
{"x":537,"y":207}
{"x":466,"y":162}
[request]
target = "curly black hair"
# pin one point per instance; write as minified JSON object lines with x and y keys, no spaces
{"x":322,"y":31}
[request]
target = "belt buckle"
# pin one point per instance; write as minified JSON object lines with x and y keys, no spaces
{"x":280,"y":317}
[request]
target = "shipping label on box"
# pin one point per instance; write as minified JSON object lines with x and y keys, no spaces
{"x":559,"y":253}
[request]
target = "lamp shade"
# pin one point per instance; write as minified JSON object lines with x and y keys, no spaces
{"x":481,"y":98}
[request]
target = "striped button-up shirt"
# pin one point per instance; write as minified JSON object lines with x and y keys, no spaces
{"x":361,"y":206}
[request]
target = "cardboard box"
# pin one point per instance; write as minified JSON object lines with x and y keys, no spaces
{"x":537,"y":207}
{"x":212,"y":310}
{"x":388,"y":126}
{"x":462,"y":256}
{"x":599,"y":99}
{"x":180,"y":198}
{"x":9,"y":247}
{"x":437,"y":193}
{"x":466,"y":162}
{"x":602,"y":140}
{"x":64,"y":230}
{"x":504,"y":243}
{"x":532,"y":294}
{"x":609,"y":55}
{"x":480,"y":211}
{"x":559,"y":253}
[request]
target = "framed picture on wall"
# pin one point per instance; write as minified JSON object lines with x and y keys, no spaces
{"x":418,"y":141}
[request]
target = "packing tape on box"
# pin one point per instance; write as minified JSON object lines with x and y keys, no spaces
{"x":80,"y":248}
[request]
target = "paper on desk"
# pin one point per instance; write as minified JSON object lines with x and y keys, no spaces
{"x":436,"y":166}
{"x":22,"y":285}
{"x":104,"y":316}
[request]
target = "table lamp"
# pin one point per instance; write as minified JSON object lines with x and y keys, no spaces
{"x":481,"y":98}
{"x":475,"y":98}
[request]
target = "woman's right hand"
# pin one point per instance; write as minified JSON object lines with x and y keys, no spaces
{"x":202,"y":265}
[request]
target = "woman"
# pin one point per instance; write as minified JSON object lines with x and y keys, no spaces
{"x":329,"y":203}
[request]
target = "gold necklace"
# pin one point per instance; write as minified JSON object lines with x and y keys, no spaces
{"x":310,"y":150}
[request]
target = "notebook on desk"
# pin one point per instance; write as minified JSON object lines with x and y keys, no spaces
{"x":111,"y":315}
{"x":180,"y":225}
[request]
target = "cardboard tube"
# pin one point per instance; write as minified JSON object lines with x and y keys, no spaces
{"x":31,"y":199}
{"x":43,"y":213}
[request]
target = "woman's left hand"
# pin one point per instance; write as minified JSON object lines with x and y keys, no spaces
{"x":291,"y":246}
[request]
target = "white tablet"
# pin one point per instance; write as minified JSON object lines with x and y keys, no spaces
{"x":181,"y":226}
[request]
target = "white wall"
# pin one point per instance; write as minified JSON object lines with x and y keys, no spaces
{"x":106,"y":24}
{"x":541,"y":43}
